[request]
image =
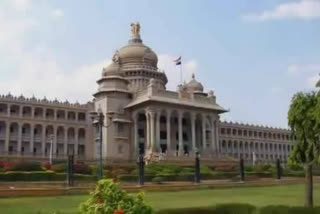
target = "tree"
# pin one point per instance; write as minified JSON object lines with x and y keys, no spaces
{"x":304,"y":120}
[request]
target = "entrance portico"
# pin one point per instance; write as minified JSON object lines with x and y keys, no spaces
{"x":174,"y":131}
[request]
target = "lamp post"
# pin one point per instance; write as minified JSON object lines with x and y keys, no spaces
{"x":98,"y":122}
{"x":197,"y":168}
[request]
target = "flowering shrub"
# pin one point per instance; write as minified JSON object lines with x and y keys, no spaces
{"x":46,"y":165}
{"x":109,"y":198}
{"x":21,"y":166}
{"x":81,"y":168}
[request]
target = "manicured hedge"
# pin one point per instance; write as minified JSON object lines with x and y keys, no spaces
{"x":242,"y":209}
{"x":219,"y":209}
{"x":41,"y":176}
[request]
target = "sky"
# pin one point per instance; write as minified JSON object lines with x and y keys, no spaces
{"x":255,"y":55}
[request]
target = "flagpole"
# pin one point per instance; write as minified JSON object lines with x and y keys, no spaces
{"x":181,"y":72}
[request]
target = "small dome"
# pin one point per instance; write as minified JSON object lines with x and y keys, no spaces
{"x":194,"y":85}
{"x":110,"y":69}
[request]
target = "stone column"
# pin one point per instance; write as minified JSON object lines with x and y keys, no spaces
{"x":20,"y":111}
{"x":31,"y":139}
{"x":216,"y":131}
{"x":135,"y":134}
{"x":65,"y":142}
{"x":152,"y":133}
{"x":55,"y":140}
{"x":19,"y":138}
{"x":193,"y":131}
{"x":158,"y":148}
{"x":7,"y":139}
{"x":180,"y":152}
{"x":168,"y":132}
{"x":76,"y":143}
{"x":32,"y":112}
{"x":8,"y":110}
{"x":147,"y":137}
{"x":204,"y":143}
{"x":213,"y":142}
{"x":44,"y":140}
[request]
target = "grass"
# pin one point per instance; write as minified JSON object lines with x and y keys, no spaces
{"x":291,"y":195}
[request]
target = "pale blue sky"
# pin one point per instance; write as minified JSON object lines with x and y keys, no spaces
{"x":254,"y":54}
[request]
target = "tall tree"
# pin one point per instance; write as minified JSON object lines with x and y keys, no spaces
{"x":304,"y":119}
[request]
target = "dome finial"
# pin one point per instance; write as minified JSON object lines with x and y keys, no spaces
{"x":135,"y":30}
{"x":135,"y":33}
{"x":193,"y":76}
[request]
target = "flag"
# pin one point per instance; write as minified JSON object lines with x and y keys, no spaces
{"x":178,"y":61}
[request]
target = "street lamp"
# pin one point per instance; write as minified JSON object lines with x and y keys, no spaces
{"x":197,"y":167}
{"x":98,"y":122}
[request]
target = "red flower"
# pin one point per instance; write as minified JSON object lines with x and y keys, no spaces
{"x":100,"y":201}
{"x":118,"y":212}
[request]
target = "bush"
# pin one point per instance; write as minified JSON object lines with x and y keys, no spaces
{"x":248,"y":168}
{"x":42,"y":176}
{"x":109,"y":198}
{"x":46,"y":165}
{"x":23,"y":166}
{"x":82,"y":168}
{"x":228,"y":167}
{"x":62,"y":167}
{"x":219,"y":209}
{"x":235,"y":209}
{"x":157,"y":180}
{"x":287,"y":210}
{"x":200,"y":210}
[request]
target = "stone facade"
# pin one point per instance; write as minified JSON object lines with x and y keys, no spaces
{"x":141,"y":117}
{"x":28,"y":128}
{"x":252,"y":142}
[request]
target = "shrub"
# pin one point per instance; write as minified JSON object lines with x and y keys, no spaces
{"x":109,"y":198}
{"x":235,"y":209}
{"x":42,"y":176}
{"x":219,"y":209}
{"x":248,"y":168}
{"x":226,"y":167}
{"x":205,"y":170}
{"x":82,"y":168}
{"x":23,"y":166}
{"x":202,"y":210}
{"x":46,"y":165}
{"x":62,"y":167}
{"x":287,"y":210}
{"x":157,"y":180}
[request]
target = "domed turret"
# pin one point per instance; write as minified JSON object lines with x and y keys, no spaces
{"x":111,"y":69}
{"x":194,"y":86}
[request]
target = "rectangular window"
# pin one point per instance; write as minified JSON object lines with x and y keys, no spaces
{"x":141,"y":133}
{"x":120,"y":127}
{"x":163,"y":135}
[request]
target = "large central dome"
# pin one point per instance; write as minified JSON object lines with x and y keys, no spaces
{"x":137,"y":52}
{"x":137,"y":63}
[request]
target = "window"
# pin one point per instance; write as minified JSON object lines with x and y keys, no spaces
{"x":163,"y":135}
{"x":185,"y":136}
{"x":120,"y":149}
{"x":141,"y":133}
{"x":120,"y":127}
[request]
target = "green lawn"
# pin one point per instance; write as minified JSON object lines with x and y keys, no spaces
{"x":258,"y":196}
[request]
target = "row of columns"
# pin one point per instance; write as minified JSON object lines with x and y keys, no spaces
{"x":44,"y":139}
{"x":275,"y":151}
{"x":44,"y":110}
{"x":153,"y":131}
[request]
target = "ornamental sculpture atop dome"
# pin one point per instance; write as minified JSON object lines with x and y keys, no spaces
{"x":135,"y":30}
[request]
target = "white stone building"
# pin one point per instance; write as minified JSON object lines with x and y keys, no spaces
{"x":141,"y":117}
